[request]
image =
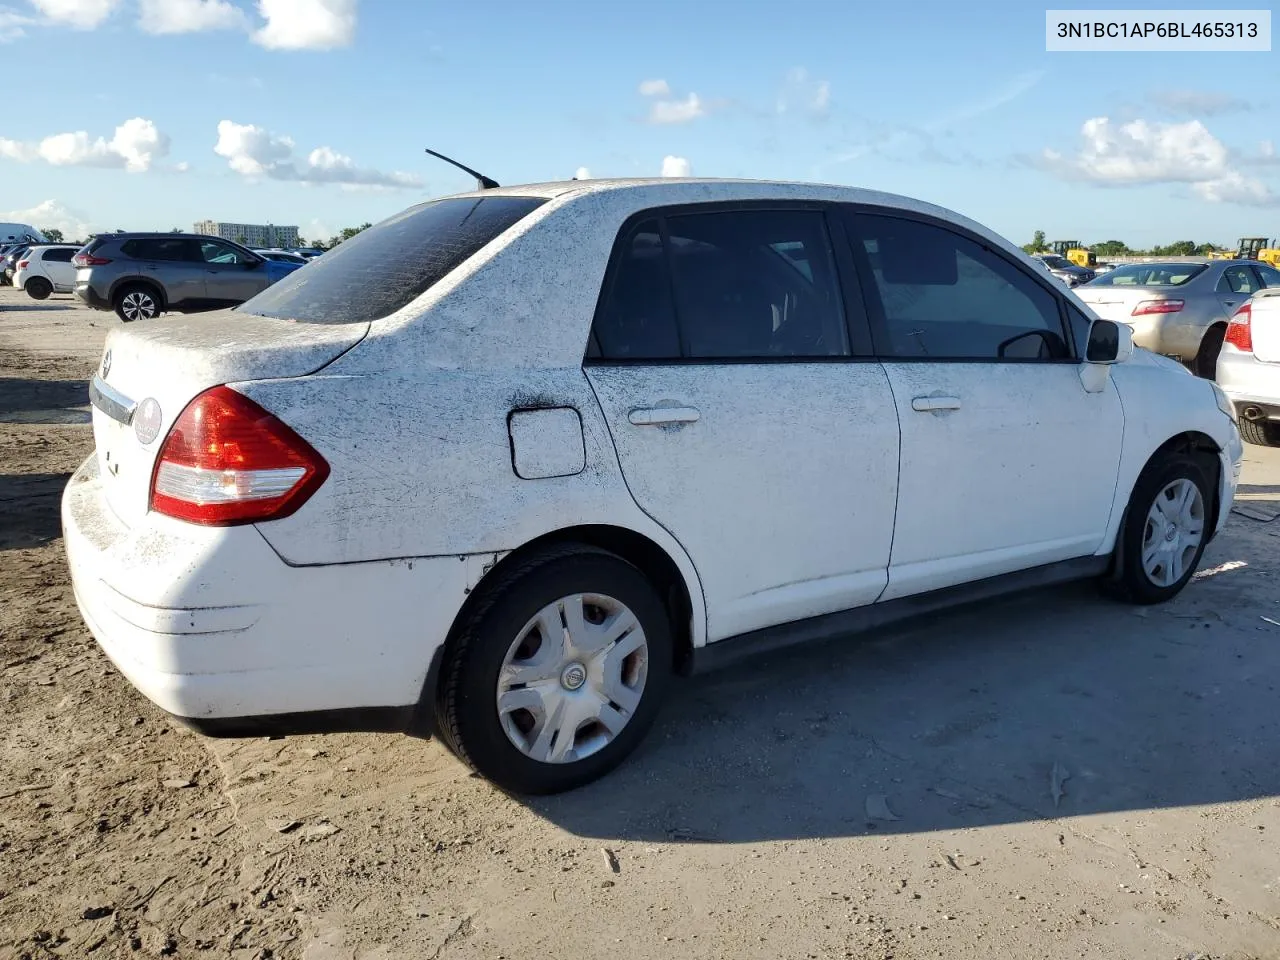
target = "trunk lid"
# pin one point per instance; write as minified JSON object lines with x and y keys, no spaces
{"x":165,"y":363}
{"x":1264,"y":325}
{"x":1117,"y":303}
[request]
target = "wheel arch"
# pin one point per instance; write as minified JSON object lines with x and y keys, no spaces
{"x":137,"y":281}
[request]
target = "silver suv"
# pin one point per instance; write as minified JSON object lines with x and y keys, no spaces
{"x":140,"y":275}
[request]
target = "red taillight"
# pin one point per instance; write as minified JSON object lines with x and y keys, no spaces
{"x":89,"y":260}
{"x":1240,"y":329}
{"x":22,"y":264}
{"x":1157,"y":306}
{"x":228,"y":461}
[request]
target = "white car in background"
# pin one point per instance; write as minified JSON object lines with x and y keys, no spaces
{"x":46,"y":269}
{"x":1249,"y":367}
{"x":498,"y":467}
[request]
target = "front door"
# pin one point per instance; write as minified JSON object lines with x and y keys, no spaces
{"x":742,"y":421}
{"x":232,"y":275}
{"x":1007,"y":462}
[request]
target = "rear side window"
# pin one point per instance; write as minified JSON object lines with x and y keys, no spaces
{"x":382,"y":269}
{"x":175,"y":250}
{"x":727,"y":285}
{"x":59,"y":254}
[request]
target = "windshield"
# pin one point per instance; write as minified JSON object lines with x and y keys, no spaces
{"x":1149,"y":275}
{"x":381,"y":269}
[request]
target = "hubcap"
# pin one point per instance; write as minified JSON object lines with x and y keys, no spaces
{"x":1173,"y":532}
{"x":139,"y":306}
{"x":573,"y":678}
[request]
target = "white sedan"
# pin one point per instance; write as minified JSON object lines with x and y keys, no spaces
{"x":499,"y":467}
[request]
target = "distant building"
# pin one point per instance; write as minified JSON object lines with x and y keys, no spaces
{"x":250,"y":234}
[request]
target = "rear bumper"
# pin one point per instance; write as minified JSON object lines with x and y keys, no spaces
{"x":214,"y":628}
{"x":87,"y":293}
{"x":1249,"y":383}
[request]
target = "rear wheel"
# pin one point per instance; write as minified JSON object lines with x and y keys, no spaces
{"x":557,"y":672}
{"x":1206,"y":362}
{"x":38,"y":288}
{"x":1165,"y":529}
{"x":137,"y":302}
{"x":1262,"y":433}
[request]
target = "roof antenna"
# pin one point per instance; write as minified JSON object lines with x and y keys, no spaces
{"x":482,"y":182}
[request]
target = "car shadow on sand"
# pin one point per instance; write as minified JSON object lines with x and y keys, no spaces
{"x":1055,"y":703}
{"x":30,"y":506}
{"x":41,"y":305}
{"x":30,"y":400}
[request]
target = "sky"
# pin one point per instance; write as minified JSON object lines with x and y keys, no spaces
{"x":153,"y":114}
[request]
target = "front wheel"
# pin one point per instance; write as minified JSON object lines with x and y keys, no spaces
{"x":1165,"y":530}
{"x":557,"y":672}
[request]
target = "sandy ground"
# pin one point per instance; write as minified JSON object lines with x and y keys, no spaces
{"x":1052,"y":776}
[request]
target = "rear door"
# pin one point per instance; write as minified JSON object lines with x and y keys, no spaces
{"x":57,"y":265}
{"x":1007,"y":463}
{"x":1237,"y":284}
{"x":232,"y":275}
{"x":747,"y":417}
{"x":172,"y":264}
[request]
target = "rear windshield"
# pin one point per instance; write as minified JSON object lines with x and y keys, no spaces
{"x":1149,"y":275}
{"x":381,"y":269}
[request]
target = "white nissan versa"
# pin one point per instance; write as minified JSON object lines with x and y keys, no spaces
{"x":500,"y":466}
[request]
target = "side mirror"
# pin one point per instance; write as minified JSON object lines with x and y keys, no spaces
{"x":254,"y":264}
{"x":1109,"y":342}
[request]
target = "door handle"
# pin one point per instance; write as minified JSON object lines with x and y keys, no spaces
{"x":1229,"y":303}
{"x":929,"y":404}
{"x":661,"y":416}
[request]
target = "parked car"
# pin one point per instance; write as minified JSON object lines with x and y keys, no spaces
{"x":9,"y":262}
{"x":141,"y":275}
{"x":1069,"y":273}
{"x":1249,"y":367}
{"x":282,"y":256}
{"x":308,"y":253}
{"x":1179,"y":308}
{"x":1102,"y":268}
{"x":501,"y":465}
{"x":46,"y":269}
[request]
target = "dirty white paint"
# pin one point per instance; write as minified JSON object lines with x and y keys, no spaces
{"x":798,"y":489}
{"x":546,"y":443}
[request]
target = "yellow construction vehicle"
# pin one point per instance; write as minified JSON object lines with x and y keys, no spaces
{"x":1251,"y":248}
{"x":1079,"y":255}
{"x":1271,"y":254}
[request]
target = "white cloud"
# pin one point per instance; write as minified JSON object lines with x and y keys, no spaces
{"x":676,"y":167}
{"x":1197,"y":103}
{"x":189,"y":16}
{"x":1140,"y":152}
{"x":12,"y":24}
{"x":135,"y":146}
{"x":1235,"y":187}
{"x":80,"y":14}
{"x":800,"y":92}
{"x":677,"y":111}
{"x":654,"y":88}
{"x":256,"y":152}
{"x":306,"y":24}
{"x":582,"y":174}
{"x":52,"y":213}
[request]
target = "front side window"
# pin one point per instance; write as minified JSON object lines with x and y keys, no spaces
{"x":211,"y":251}
{"x":725,"y":285}
{"x":945,"y":296}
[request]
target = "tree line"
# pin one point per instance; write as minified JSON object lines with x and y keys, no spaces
{"x":1118,"y":248}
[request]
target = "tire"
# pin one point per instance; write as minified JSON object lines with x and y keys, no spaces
{"x":137,"y":301}
{"x":1206,"y":363}
{"x":38,"y":288}
{"x":1261,"y":433}
{"x":498,"y":643}
{"x":1167,"y":571}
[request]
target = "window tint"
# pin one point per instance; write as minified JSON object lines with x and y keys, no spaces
{"x":381,"y":269}
{"x":1270,"y":275}
{"x":211,"y":251}
{"x":1237,"y":280}
{"x":948,"y":297}
{"x":636,"y":320}
{"x":59,"y":254}
{"x":162,"y":249}
{"x":742,"y":290}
